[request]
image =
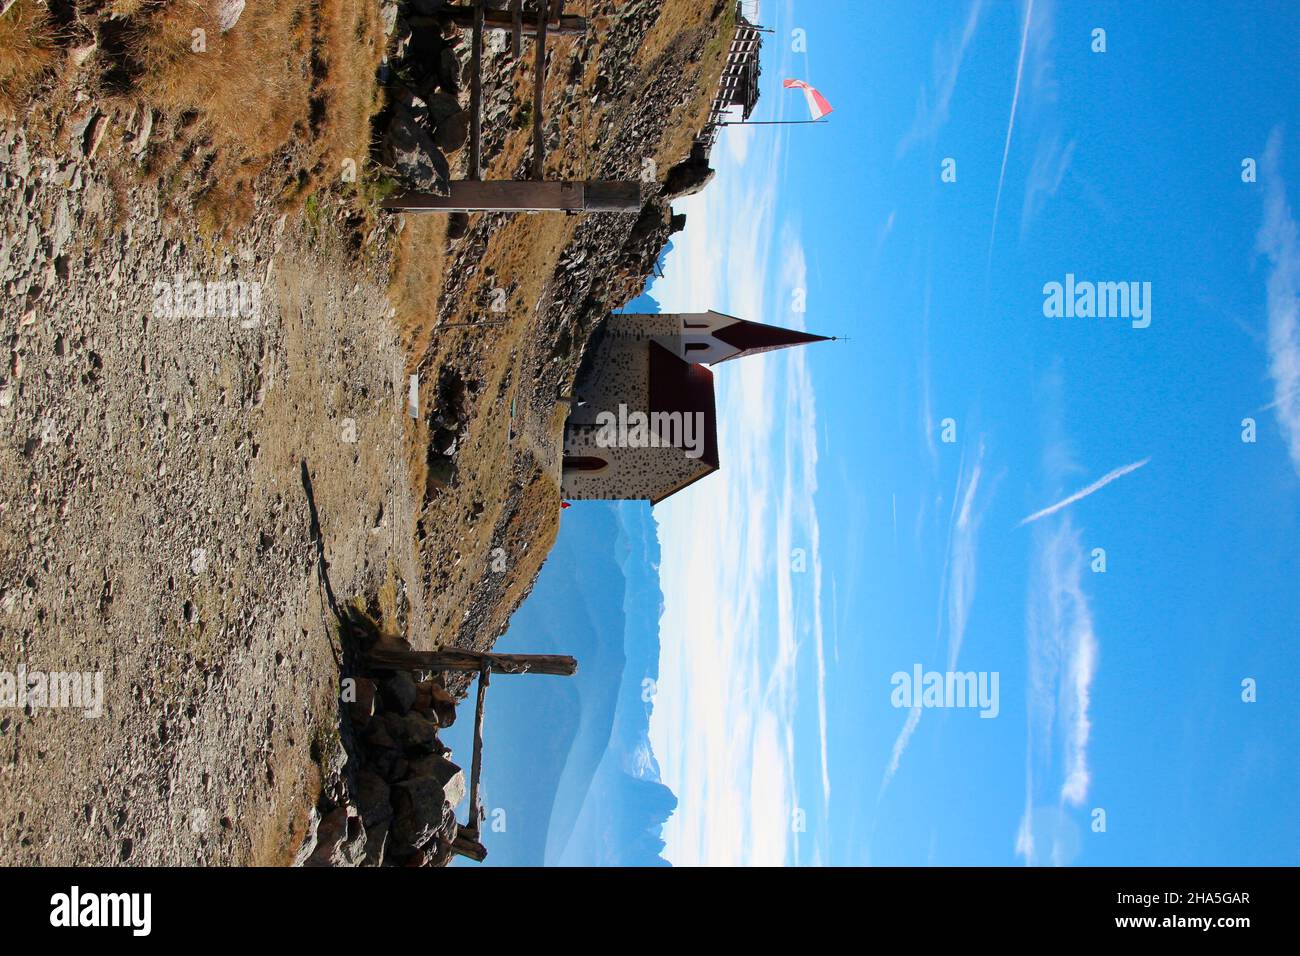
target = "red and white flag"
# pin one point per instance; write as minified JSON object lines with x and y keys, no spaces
{"x":817,"y":105}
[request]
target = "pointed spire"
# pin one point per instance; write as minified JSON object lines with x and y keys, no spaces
{"x":754,"y":337}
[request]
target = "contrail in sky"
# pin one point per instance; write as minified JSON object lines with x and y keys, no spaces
{"x":1097,"y":485}
{"x":1011,"y":125}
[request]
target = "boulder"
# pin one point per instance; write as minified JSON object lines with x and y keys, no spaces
{"x":340,"y":840}
{"x":228,"y":13}
{"x":363,"y":708}
{"x":395,"y":724}
{"x":439,"y":855}
{"x":441,"y":106}
{"x":452,"y":132}
{"x":376,"y":844}
{"x":310,"y":839}
{"x":405,"y":100}
{"x":688,"y":178}
{"x":411,"y":152}
{"x":420,"y":734}
{"x":78,"y":55}
{"x":449,"y":776}
{"x":420,"y":813}
{"x":432,"y":698}
{"x":378,"y":737}
{"x":457,"y":225}
{"x":399,"y":692}
{"x":372,"y":799}
{"x":142,"y":132}
{"x":448,"y":76}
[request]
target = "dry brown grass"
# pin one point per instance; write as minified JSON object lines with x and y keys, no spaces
{"x":419,"y":256}
{"x":350,"y":47}
{"x":251,"y":85}
{"x":125,"y":8}
{"x":680,"y":16}
{"x":27,"y":52}
{"x":277,"y":828}
{"x":290,"y":89}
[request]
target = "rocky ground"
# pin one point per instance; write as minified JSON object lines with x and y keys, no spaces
{"x":183,"y":487}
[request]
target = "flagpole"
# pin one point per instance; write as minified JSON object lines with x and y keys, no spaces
{"x":816,"y":122}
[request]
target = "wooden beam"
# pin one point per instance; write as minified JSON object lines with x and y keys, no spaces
{"x":539,"y":87}
{"x":604,"y":195}
{"x":455,"y":659}
{"x":517,"y":27}
{"x":467,"y":844}
{"x":463,"y":16}
{"x":476,"y":95}
{"x":524,"y":196}
{"x":476,"y":763}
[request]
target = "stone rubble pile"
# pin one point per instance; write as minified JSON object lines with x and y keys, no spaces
{"x":401,"y":799}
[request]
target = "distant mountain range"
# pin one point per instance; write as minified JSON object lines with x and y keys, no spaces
{"x":568,"y":768}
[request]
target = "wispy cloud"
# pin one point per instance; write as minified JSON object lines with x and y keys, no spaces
{"x":882,"y":236}
{"x":1011,"y":123}
{"x":962,"y":560}
{"x":1063,"y":655}
{"x":1051,"y":160}
{"x":957,"y":589}
{"x":932,"y":114}
{"x":1277,"y":240}
{"x":1053,"y":152}
{"x":926,"y":385}
{"x":1079,"y":495}
{"x":796,"y":514}
{"x":900,"y":744}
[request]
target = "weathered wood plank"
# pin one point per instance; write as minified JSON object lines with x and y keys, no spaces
{"x":468,"y":845}
{"x":558,"y":25}
{"x":539,"y":88}
{"x":476,"y":762}
{"x":523,"y":196}
{"x":476,"y":95}
{"x":461,"y":660}
{"x":608,"y":196}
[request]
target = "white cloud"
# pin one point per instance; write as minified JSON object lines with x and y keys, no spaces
{"x":1082,"y":493}
{"x":1011,"y":123}
{"x":797,"y":508}
{"x":927,"y":388}
{"x":900,"y":744}
{"x":964,"y":546}
{"x":1053,"y":153}
{"x":1063,"y":653}
{"x":957,"y":589}
{"x":1051,"y":160}
{"x":931,"y":116}
{"x":1277,"y":240}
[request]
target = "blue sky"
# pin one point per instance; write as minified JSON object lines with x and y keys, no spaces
{"x":1119,"y":691}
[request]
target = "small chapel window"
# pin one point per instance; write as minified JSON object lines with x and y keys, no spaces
{"x":584,"y":463}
